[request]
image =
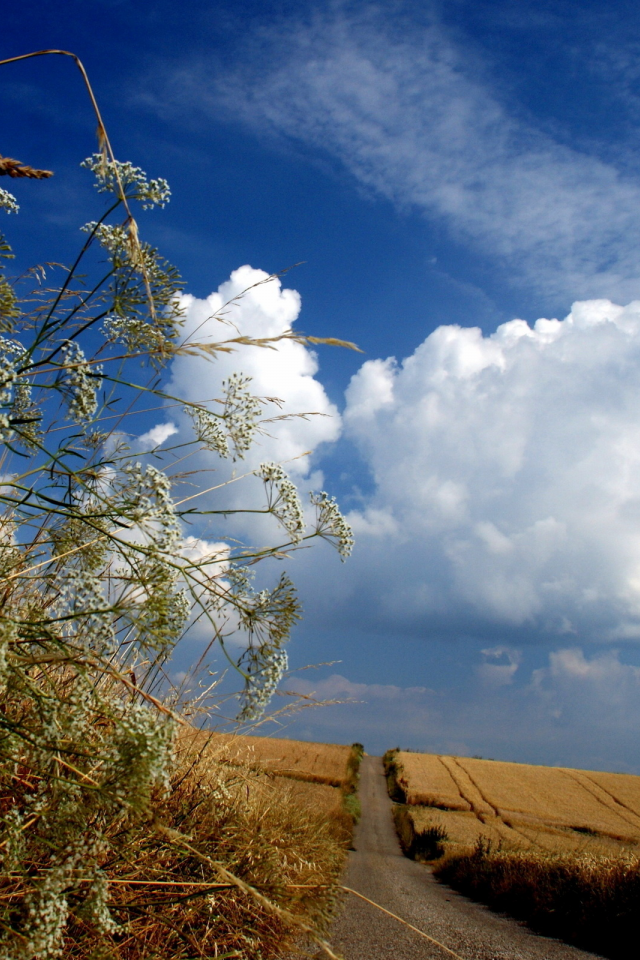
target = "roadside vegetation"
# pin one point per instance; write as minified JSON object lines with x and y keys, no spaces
{"x":120,"y":837}
{"x":589,"y":901}
{"x":559,"y":848}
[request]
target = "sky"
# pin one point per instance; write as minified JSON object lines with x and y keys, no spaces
{"x":457,"y":185}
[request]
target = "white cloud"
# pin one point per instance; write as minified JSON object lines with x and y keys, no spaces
{"x":506,"y":477}
{"x":157,"y":436}
{"x":337,"y":687}
{"x":286,"y":375}
{"x":410,"y":114}
{"x":599,"y":695}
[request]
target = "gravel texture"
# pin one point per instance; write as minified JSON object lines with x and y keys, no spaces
{"x":378,"y":870}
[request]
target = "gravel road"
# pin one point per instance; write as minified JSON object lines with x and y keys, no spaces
{"x":378,"y":870}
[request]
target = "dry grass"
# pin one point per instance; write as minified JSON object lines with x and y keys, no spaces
{"x":234,"y":864}
{"x":323,"y":763}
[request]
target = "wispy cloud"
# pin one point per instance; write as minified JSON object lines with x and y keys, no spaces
{"x":410,"y":118}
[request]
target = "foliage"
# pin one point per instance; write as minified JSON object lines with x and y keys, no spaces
{"x":392,"y":772}
{"x":98,"y":588}
{"x":350,"y":798}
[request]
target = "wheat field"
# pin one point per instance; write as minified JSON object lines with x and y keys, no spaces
{"x":520,"y":806}
{"x":317,"y":763}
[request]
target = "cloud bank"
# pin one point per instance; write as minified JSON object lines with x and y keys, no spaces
{"x":410,"y":113}
{"x":507,"y":479}
{"x":505,"y":469}
{"x":504,"y":508}
{"x":575,"y":711}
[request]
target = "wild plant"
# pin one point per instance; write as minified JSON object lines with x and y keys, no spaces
{"x":98,"y":585}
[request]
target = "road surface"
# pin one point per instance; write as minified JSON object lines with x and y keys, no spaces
{"x":378,"y":870}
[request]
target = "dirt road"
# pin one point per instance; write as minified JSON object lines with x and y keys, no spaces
{"x":378,"y":870}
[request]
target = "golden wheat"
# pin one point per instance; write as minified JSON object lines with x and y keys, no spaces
{"x":323,"y":763}
{"x":520,"y":806}
{"x":425,"y":779}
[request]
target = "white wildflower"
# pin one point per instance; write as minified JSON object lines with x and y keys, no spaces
{"x":133,"y":180}
{"x":331,"y":525}
{"x":240,"y":413}
{"x":8,"y":202}
{"x":209,"y":430}
{"x":283,"y":500}
{"x":262,"y":684}
{"x":16,"y":408}
{"x":80,"y":382}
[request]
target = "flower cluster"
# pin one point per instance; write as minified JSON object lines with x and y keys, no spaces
{"x":146,"y":499}
{"x":263,"y":682}
{"x":240,"y":413}
{"x":16,"y":409}
{"x":80,"y":382}
{"x":89,"y":611}
{"x":8,"y":202}
{"x":209,"y":430}
{"x":112,"y":175}
{"x":268,"y":617}
{"x":112,"y":237}
{"x":138,"y":336}
{"x":331,"y":525}
{"x":283,"y":500}
{"x":94,"y":907}
{"x":235,"y":426}
{"x":158,"y":608}
{"x":141,"y":753}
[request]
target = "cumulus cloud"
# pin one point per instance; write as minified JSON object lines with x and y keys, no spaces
{"x":499,"y":666}
{"x":157,"y":436}
{"x":506,"y":475}
{"x":609,"y":687}
{"x":408,"y":111}
{"x":297,"y":414}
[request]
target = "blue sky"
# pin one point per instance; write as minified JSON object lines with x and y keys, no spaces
{"x":440,"y":168}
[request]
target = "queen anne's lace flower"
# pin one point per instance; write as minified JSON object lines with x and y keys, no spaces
{"x":240,"y":413}
{"x":8,"y":202}
{"x":331,"y":525}
{"x":80,"y":382}
{"x":262,"y":684}
{"x":89,"y":610}
{"x":150,"y":193}
{"x":209,"y":430}
{"x":283,"y":499}
{"x":235,"y":426}
{"x":17,"y":416}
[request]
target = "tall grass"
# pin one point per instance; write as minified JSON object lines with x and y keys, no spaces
{"x":590,"y":902}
